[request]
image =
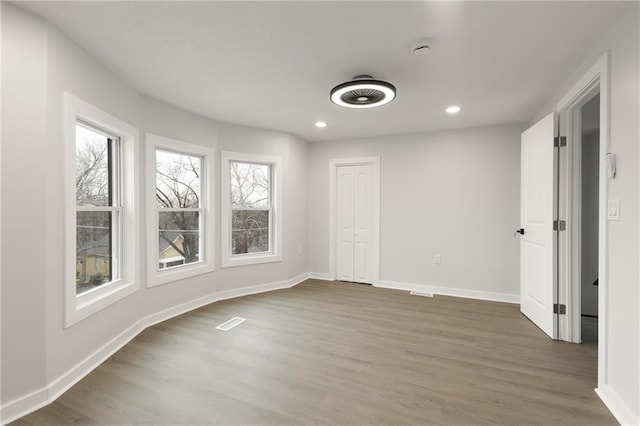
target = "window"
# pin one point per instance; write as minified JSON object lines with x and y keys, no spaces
{"x":101,"y":222}
{"x":251,"y":209}
{"x":179,"y":192}
{"x":98,"y":207}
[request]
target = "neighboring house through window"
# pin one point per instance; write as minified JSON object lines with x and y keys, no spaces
{"x":180,"y":191}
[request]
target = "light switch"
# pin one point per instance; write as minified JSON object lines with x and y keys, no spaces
{"x":613,"y":209}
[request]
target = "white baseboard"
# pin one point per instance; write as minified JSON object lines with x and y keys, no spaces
{"x":444,"y":291}
{"x":616,"y":405}
{"x":319,"y":276}
{"x":24,"y":405}
{"x":261,"y":288}
{"x":456,"y":292}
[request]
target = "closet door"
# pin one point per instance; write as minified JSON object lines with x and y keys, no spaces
{"x":354,"y":221}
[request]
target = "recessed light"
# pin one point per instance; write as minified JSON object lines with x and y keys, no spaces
{"x":454,"y":109}
{"x":321,"y":124}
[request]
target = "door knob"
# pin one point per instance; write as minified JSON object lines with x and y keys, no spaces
{"x":519,"y":231}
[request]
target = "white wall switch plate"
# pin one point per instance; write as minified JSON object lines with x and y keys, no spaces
{"x":437,"y":259}
{"x":613,"y":209}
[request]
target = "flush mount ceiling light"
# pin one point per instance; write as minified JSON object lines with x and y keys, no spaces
{"x":363,"y":92}
{"x":453,"y":109}
{"x":321,"y":124}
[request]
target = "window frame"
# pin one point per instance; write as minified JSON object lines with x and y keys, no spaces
{"x":81,"y":306}
{"x":206,"y":263}
{"x":114,"y":206}
{"x":275,"y":218}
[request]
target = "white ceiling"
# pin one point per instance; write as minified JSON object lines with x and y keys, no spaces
{"x":272,"y":64}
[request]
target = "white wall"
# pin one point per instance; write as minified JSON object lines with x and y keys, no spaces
{"x":69,"y":68}
{"x":620,"y":385}
{"x":23,"y":199}
{"x":38,"y":355}
{"x":623,"y":370}
{"x":296,"y":244}
{"x":454,"y":193}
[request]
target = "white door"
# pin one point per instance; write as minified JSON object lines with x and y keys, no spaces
{"x":354,"y":221}
{"x":537,"y":212}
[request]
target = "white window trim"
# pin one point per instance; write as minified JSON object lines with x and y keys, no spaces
{"x":275,"y":254}
{"x":79,"y":307}
{"x":206,"y":264}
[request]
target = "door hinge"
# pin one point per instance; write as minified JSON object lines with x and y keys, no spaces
{"x":560,"y":141}
{"x":559,"y":225}
{"x":559,"y":309}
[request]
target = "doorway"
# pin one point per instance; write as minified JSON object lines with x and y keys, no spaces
{"x":582,"y":198}
{"x":562,"y":311}
{"x":589,"y":220}
{"x":354,"y":251}
{"x":592,"y":87}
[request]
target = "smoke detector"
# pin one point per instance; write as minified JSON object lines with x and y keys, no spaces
{"x":421,"y":47}
{"x":363,"y":91}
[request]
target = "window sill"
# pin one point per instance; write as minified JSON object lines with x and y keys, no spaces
{"x":178,"y":273}
{"x":250,"y":259}
{"x":86,"y":305}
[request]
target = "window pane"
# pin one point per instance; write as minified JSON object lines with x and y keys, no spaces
{"x":249,"y":231}
{"x":179,"y":238}
{"x":93,"y":168}
{"x":250,"y":185}
{"x":177,"y":180}
{"x":94,"y":249}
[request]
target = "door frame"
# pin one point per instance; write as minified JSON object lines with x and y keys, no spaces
{"x":375,"y":229}
{"x":595,"y":80}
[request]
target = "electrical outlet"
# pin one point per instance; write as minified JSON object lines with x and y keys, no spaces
{"x":437,"y":259}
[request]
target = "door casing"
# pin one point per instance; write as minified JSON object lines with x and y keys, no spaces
{"x":595,"y":80}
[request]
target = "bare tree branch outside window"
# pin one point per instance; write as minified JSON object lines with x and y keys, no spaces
{"x":251,"y":207}
{"x":178,"y":197}
{"x":95,"y":217}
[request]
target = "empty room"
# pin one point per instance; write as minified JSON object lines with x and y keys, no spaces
{"x":320,"y":212}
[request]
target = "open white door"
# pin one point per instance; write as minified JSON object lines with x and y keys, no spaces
{"x":537,"y":212}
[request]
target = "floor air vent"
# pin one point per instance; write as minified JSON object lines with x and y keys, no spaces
{"x":421,"y":293}
{"x":228,"y":325}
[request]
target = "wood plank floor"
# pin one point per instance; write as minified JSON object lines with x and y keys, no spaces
{"x":338,"y":353}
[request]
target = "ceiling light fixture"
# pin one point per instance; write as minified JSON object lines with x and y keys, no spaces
{"x":454,"y":109}
{"x":363,"y":92}
{"x":321,"y":124}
